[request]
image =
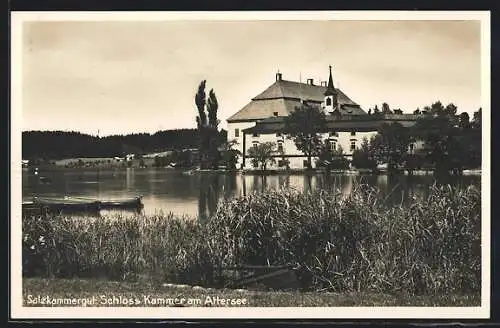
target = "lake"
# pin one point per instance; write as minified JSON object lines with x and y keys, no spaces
{"x":197,"y":195}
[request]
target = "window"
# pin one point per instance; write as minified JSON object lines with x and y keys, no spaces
{"x":255,"y":135}
{"x":353,"y":133}
{"x":255,"y":144}
{"x":328,"y":101}
{"x":331,"y":145}
{"x":306,"y":163}
{"x":280,"y":147}
{"x":275,"y":113}
{"x":411,"y":147}
{"x":278,"y":134}
{"x":236,"y":133}
{"x":334,"y":134}
{"x":353,"y":145}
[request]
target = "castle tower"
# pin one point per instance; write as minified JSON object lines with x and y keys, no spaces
{"x":330,"y":94}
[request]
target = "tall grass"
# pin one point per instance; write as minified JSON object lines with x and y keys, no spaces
{"x":115,"y":247}
{"x":337,"y":243}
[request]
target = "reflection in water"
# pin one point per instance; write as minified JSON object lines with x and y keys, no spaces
{"x":130,"y":178}
{"x":210,"y":188}
{"x":198,"y":195}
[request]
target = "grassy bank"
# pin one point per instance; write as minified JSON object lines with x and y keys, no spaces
{"x":100,"y":291}
{"x":353,"y":244}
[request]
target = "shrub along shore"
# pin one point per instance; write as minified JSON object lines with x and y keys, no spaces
{"x":338,"y":243}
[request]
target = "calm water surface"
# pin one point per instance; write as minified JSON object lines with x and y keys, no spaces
{"x":197,"y":195}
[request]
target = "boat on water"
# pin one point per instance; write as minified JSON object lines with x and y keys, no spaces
{"x":132,"y":203}
{"x":79,"y":204}
{"x":66,"y":204}
{"x":124,"y":203}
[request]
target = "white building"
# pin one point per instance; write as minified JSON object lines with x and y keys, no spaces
{"x":262,"y":119}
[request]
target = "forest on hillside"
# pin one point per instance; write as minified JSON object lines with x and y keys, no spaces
{"x":63,"y":144}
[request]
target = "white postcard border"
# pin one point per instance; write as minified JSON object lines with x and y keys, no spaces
{"x":20,"y":312}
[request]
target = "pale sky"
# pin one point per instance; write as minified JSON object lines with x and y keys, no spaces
{"x":132,"y":77}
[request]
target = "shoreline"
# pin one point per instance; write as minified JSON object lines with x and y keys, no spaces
{"x":190,"y":171}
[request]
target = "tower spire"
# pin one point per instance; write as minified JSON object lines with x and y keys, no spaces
{"x":330,"y":89}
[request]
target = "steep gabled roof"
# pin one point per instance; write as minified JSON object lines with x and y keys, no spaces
{"x":260,"y":109}
{"x":296,"y":90}
{"x":283,"y":96}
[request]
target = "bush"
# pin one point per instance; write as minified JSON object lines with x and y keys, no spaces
{"x":414,"y":162}
{"x":332,"y":159}
{"x":161,"y":161}
{"x":362,"y":160}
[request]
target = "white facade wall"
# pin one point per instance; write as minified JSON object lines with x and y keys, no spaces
{"x":237,"y":128}
{"x":345,"y":140}
{"x":296,"y":160}
{"x":287,"y":144}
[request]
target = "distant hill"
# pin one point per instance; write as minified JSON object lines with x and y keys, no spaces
{"x":63,"y":144}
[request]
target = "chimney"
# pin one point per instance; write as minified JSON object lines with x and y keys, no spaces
{"x":310,"y":81}
{"x":278,"y":76}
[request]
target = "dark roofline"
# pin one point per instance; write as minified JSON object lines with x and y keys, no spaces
{"x":293,"y":98}
{"x":347,"y":117}
{"x":278,"y":82}
{"x":367,"y":123}
{"x":243,"y":120}
{"x":342,"y":127}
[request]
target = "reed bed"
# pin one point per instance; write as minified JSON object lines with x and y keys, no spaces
{"x":339,"y":243}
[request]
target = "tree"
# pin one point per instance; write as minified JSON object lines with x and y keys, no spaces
{"x":214,"y":142}
{"x":412,"y":162}
{"x":200,"y":101}
{"x":263,"y":154}
{"x":303,"y":127}
{"x":450,"y":110}
{"x":332,"y":159}
{"x":208,"y":129}
{"x":230,"y":155}
{"x":386,"y":109}
{"x":212,"y":107}
{"x":444,"y":146}
{"x":416,"y":111}
{"x":437,"y":108}
{"x":476,"y":119}
{"x":362,"y":157}
{"x":390,"y":145}
{"x":463,"y":120}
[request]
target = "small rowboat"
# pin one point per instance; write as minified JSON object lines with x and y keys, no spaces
{"x":134,"y":203}
{"x":125,"y":203}
{"x":33,"y":209}
{"x":66,"y":204}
